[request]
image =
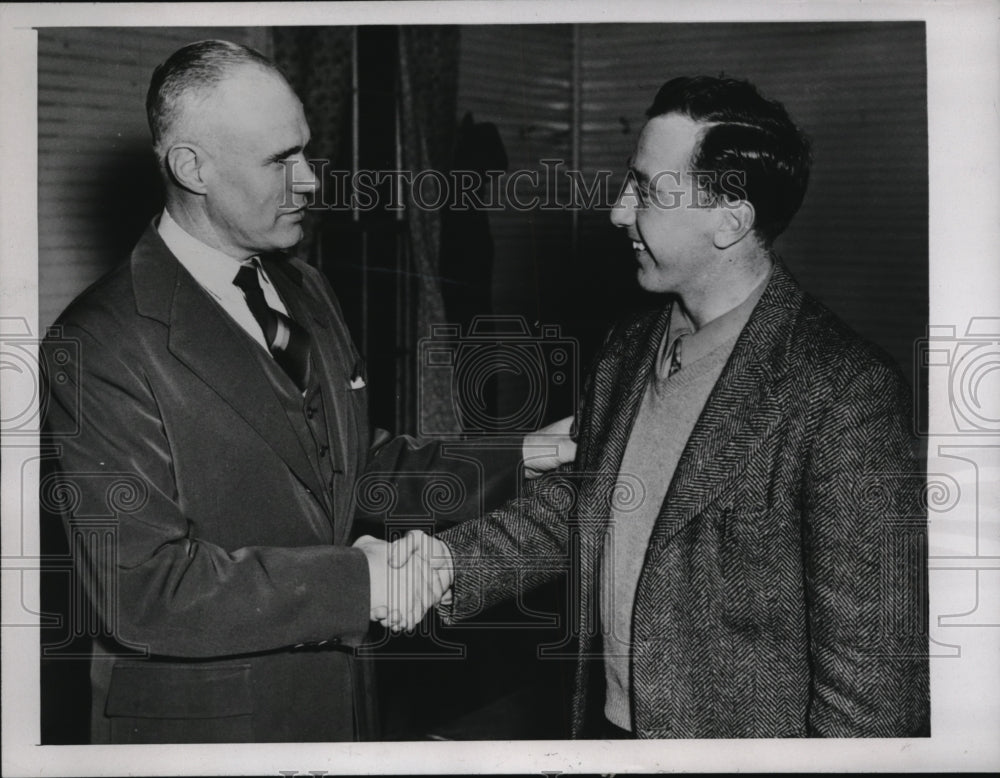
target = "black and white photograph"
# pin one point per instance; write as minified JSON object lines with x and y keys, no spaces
{"x":515,"y":388}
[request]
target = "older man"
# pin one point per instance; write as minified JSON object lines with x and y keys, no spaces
{"x":220,"y":391}
{"x":743,"y":530}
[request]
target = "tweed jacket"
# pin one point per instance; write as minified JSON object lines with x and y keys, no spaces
{"x":228,"y":597}
{"x":783,"y":591}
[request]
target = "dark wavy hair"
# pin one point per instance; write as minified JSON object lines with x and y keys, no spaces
{"x":193,"y":69}
{"x":746,"y":135}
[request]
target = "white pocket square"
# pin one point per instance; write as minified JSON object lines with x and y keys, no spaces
{"x":358,"y":383}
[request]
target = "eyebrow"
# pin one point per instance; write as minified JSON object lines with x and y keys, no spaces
{"x":285,"y":154}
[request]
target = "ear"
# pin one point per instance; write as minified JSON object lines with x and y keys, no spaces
{"x":736,"y":220}
{"x":184,"y":163}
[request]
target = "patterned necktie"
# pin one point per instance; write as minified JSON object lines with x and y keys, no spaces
{"x":286,"y":340}
{"x":675,"y":357}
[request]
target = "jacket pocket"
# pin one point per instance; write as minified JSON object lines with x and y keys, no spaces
{"x":754,"y":550}
{"x":161,"y":703}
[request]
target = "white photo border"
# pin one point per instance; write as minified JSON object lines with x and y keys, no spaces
{"x":963,"y":39}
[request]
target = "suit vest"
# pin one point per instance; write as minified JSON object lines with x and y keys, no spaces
{"x":307,"y":413}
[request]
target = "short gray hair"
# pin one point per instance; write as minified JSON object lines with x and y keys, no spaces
{"x":194,"y":68}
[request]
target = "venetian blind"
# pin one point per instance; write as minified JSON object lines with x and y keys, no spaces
{"x":519,"y":78}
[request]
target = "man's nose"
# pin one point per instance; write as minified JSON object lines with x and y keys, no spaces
{"x":304,"y":180}
{"x":623,"y":211}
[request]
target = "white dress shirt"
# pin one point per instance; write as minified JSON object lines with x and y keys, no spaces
{"x":215,"y":271}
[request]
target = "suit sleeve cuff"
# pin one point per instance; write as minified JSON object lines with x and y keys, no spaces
{"x":356,"y":601}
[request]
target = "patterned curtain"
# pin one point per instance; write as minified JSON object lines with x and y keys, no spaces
{"x":317,"y":63}
{"x":428,"y":85}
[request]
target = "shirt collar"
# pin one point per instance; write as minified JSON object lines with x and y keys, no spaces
{"x":716,"y":332}
{"x":210,"y":267}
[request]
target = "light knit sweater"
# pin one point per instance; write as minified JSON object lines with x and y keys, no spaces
{"x":668,"y":413}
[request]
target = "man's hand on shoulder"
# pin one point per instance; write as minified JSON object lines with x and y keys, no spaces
{"x":549,"y":447}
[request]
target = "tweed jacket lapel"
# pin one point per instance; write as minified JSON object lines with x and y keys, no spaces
{"x":744,"y":407}
{"x":618,"y":388}
{"x":614,"y":396}
{"x":205,"y":339}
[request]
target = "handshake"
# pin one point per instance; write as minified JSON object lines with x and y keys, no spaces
{"x":407,"y":578}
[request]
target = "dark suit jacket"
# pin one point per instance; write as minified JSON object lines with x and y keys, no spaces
{"x":783,"y":590}
{"x":224,"y":564}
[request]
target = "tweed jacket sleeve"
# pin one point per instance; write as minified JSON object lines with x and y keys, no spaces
{"x":866,"y":594}
{"x":533,"y":537}
{"x":527,"y":541}
{"x":514,"y":549}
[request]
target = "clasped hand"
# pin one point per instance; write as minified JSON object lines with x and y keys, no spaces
{"x":407,"y":578}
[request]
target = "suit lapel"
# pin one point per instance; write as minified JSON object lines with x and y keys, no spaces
{"x":204,"y":337}
{"x":743,"y":408}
